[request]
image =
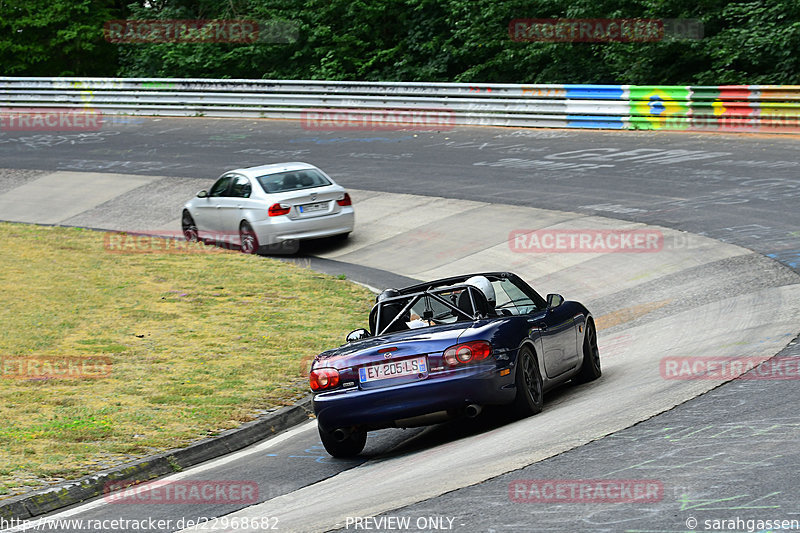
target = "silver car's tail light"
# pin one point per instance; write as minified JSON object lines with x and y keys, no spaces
{"x":278,"y":210}
{"x":344,"y":200}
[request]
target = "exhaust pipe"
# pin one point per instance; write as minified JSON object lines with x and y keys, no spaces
{"x":472,"y":410}
{"x":341,"y":435}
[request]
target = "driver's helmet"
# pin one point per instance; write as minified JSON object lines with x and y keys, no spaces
{"x":485,"y":286}
{"x":388,"y":293}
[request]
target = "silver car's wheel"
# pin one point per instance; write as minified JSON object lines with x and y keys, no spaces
{"x":189,"y":227}
{"x":248,"y":239}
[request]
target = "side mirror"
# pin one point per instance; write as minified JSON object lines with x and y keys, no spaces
{"x":202,"y":194}
{"x":357,"y":335}
{"x":554,"y":300}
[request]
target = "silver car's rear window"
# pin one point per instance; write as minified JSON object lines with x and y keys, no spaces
{"x":294,"y":180}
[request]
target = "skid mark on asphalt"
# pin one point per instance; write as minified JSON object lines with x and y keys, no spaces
{"x":627,"y":314}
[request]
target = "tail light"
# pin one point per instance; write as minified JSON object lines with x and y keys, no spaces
{"x":467,"y":352}
{"x":345,"y":200}
{"x":323,"y":378}
{"x":279,"y":209}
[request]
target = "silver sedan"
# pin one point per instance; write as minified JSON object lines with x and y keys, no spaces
{"x":269,"y":208}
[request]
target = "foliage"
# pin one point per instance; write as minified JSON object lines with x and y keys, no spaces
{"x":745,"y":41}
{"x":57,"y":37}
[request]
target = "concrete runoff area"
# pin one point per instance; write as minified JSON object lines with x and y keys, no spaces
{"x":682,"y":302}
{"x":57,"y":196}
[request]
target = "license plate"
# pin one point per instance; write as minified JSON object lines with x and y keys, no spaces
{"x":395,"y":369}
{"x":308,"y":208}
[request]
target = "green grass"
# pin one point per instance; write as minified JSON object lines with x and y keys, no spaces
{"x":198,"y":343}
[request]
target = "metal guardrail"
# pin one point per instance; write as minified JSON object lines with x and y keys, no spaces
{"x":345,"y":104}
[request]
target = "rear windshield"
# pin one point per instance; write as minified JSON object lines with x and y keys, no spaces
{"x":427,"y":310}
{"x":293,"y":181}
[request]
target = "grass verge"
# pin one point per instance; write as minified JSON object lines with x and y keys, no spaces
{"x":196,"y":343}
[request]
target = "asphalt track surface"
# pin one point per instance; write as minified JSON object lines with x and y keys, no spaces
{"x":731,"y":453}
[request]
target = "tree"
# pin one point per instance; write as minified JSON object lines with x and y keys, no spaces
{"x":57,"y":37}
{"x":745,"y":41}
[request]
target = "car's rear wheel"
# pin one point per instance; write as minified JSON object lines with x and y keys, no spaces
{"x":189,"y":227}
{"x":343,"y":445}
{"x":590,"y":368}
{"x":248,"y":239}
{"x":530,"y":389}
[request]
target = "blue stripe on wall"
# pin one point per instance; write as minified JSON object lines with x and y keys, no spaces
{"x":595,"y":92}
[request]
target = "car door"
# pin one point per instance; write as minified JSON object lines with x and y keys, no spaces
{"x":559,"y":338}
{"x":233,"y":207}
{"x":207,"y":209}
{"x":552,"y":329}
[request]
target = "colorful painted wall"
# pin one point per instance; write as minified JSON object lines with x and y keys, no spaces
{"x":734,"y":108}
{"x":725,"y":108}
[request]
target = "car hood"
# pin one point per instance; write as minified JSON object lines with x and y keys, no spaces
{"x":406,"y":343}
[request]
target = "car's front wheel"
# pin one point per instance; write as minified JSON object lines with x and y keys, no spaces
{"x":530,"y":389}
{"x":189,"y":227}
{"x":248,"y":239}
{"x":343,"y":443}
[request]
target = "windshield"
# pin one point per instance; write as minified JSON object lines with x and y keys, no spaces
{"x":511,"y":300}
{"x":294,"y":180}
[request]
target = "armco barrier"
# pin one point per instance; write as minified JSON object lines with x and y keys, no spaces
{"x":734,"y":108}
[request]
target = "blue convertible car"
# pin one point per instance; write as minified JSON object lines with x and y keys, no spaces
{"x":446,"y":348}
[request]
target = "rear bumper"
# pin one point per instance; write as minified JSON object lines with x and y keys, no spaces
{"x":375,"y":408}
{"x":278,"y":229}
